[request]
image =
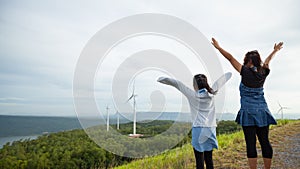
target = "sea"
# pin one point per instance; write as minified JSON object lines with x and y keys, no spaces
{"x":15,"y":128}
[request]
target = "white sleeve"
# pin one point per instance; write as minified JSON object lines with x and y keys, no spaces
{"x":221,"y":81}
{"x":178,"y":85}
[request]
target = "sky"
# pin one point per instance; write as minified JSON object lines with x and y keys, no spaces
{"x":41,"y":42}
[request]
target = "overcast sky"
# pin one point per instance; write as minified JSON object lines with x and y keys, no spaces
{"x":41,"y":41}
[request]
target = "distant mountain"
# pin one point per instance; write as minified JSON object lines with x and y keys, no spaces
{"x":175,"y":116}
{"x":33,"y":125}
{"x":146,"y":116}
{"x":37,"y":125}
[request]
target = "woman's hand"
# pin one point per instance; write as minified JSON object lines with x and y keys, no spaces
{"x":278,"y":46}
{"x":215,"y":43}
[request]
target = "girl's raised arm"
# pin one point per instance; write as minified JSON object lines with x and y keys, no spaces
{"x":228,"y":56}
{"x":178,"y":85}
{"x":277,"y":47}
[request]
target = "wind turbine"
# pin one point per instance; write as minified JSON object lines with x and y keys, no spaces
{"x":133,"y":95}
{"x":281,"y":110}
{"x":118,"y":120}
{"x":107,"y":118}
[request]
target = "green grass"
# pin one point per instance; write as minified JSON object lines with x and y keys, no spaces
{"x":231,"y":153}
{"x":176,"y":158}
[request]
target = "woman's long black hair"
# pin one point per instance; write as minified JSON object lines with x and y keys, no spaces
{"x":201,"y":81}
{"x":257,"y":63}
{"x":256,"y":60}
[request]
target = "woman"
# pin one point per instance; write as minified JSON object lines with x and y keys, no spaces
{"x":202,"y":109}
{"x":254,"y":115}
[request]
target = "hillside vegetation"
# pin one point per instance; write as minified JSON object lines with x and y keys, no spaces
{"x":231,"y":152}
{"x":74,"y":149}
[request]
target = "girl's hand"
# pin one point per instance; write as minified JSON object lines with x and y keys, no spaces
{"x":278,"y":46}
{"x":215,"y":43}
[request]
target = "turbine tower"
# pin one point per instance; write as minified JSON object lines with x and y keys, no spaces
{"x":118,"y":120}
{"x":107,"y":118}
{"x":133,"y":95}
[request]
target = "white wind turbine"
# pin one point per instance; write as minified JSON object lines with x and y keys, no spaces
{"x":281,"y":110}
{"x":133,"y":95}
{"x":107,"y":118}
{"x":118,"y":120}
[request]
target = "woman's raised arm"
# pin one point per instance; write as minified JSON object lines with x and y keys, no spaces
{"x":277,"y":47}
{"x":228,"y":56}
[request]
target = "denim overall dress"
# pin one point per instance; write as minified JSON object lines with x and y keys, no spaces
{"x":254,"y":109}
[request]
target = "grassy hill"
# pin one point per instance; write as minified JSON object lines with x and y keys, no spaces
{"x":74,"y":149}
{"x":231,"y":152}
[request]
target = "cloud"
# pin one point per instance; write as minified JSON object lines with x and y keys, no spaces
{"x":42,"y":40}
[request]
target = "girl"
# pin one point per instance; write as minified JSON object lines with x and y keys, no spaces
{"x":254,"y":115}
{"x":203,"y":114}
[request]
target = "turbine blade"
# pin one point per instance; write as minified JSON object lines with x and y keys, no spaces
{"x":279,"y":104}
{"x":130,"y":98}
{"x":279,"y":110}
{"x":133,"y":88}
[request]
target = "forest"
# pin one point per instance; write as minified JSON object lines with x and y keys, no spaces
{"x":75,"y":149}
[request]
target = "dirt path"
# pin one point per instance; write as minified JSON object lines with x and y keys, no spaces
{"x":286,"y":144}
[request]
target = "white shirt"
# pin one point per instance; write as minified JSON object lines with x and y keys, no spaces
{"x":201,"y":103}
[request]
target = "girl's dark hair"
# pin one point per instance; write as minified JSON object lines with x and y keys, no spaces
{"x":255,"y":57}
{"x":201,"y":81}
